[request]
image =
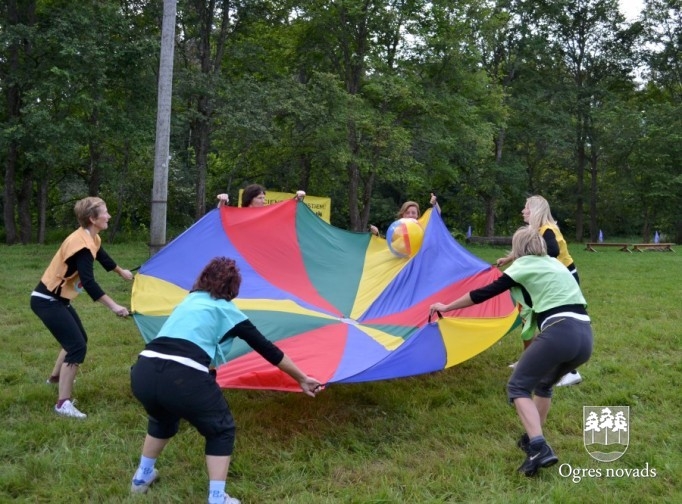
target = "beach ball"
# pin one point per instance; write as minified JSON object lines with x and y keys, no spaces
{"x":404,"y":237}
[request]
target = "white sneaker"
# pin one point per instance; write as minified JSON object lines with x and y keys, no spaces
{"x":226,"y":499}
{"x":513,"y":364}
{"x":69,"y":410}
{"x":141,"y":486}
{"x":572,"y":378}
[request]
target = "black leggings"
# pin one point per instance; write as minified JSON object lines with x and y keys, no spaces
{"x":170,"y":391}
{"x":564,"y":344}
{"x":63,"y":322}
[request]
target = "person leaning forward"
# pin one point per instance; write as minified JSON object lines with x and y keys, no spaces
{"x":565,"y":341}
{"x":68,"y":274}
{"x":171,"y":377}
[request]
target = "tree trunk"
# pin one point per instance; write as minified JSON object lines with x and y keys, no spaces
{"x":646,"y":225}
{"x":354,"y":50}
{"x":13,"y":96}
{"x":594,"y":221}
{"x":353,"y":196}
{"x":490,"y":216}
{"x":306,"y":170}
{"x":24,"y":203}
{"x":9,"y":198}
{"x":200,"y":143}
{"x":163,"y":115}
{"x":678,"y":231}
{"x":491,"y":201}
{"x":42,"y":209}
{"x":353,"y":171}
{"x":210,"y":62}
{"x":95,"y":169}
{"x":367,"y":191}
{"x":115,"y":225}
{"x":580,"y":179}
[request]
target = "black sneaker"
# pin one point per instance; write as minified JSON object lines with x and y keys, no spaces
{"x":542,"y":456}
{"x":524,"y":443}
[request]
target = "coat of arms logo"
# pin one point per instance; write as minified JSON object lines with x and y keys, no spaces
{"x":606,"y":431}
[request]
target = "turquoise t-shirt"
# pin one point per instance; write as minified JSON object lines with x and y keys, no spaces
{"x":203,"y":320}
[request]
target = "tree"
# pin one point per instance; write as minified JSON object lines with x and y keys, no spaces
{"x":20,"y":19}
{"x":592,"y":55}
{"x":662,"y":52}
{"x":339,"y":38}
{"x":205,"y":27}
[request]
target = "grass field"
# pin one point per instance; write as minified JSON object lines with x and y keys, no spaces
{"x":443,"y":438}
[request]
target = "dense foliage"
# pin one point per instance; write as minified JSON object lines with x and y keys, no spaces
{"x":369,"y":102}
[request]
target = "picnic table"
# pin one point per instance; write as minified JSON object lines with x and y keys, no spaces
{"x":490,"y":240}
{"x":641,"y":247}
{"x":591,"y":247}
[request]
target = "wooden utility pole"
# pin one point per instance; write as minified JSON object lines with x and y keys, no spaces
{"x":163,"y":119}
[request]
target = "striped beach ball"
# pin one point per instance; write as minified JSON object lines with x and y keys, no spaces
{"x":404,"y":237}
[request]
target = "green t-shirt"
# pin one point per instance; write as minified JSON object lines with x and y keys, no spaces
{"x":549,"y":284}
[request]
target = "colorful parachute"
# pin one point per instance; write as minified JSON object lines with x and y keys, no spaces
{"x":339,"y":303}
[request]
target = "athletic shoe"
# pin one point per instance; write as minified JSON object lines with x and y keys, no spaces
{"x":513,"y":364}
{"x":524,"y":443}
{"x":215,"y":498}
{"x":69,"y":410}
{"x":141,"y":486}
{"x":572,"y":378}
{"x":538,"y":456}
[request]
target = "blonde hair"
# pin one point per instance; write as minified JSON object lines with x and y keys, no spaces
{"x":407,"y":205}
{"x":540,"y":213}
{"x":527,"y":241}
{"x":87,"y":208}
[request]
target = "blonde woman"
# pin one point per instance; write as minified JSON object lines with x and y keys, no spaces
{"x":69,"y":273}
{"x":409,"y":210}
{"x":538,"y":215}
{"x":565,"y":340}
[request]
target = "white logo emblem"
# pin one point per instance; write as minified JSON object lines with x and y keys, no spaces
{"x":606,"y":432}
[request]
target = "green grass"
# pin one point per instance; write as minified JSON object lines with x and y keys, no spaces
{"x":442,"y":438}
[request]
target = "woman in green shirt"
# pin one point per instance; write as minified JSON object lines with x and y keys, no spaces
{"x":558,"y":308}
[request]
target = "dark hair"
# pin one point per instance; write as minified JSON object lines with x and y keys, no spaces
{"x":220,"y":278}
{"x":250,"y":192}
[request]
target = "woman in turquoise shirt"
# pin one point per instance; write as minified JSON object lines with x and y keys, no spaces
{"x":172,"y":380}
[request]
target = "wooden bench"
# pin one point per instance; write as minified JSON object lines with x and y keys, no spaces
{"x":490,"y":240}
{"x":641,"y":247}
{"x":623,"y":247}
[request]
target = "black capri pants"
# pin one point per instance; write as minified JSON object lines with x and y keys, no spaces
{"x":563,"y":344}
{"x":65,"y":325}
{"x":170,"y":391}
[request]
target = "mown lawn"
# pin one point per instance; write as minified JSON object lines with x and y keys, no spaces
{"x":442,"y":438}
